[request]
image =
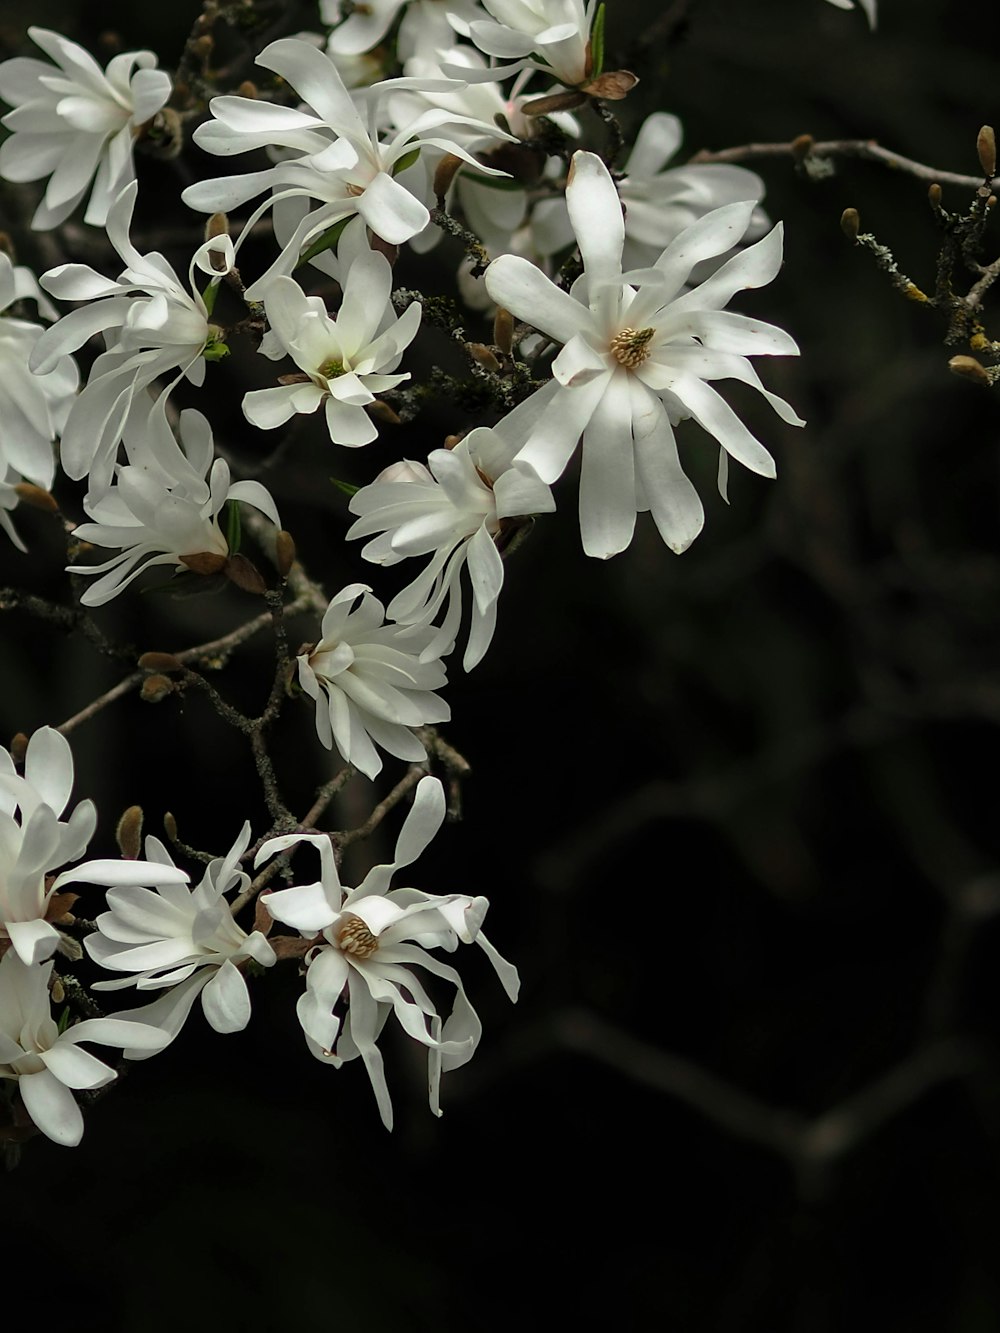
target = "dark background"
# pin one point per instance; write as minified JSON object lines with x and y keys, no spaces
{"x":734,"y":811}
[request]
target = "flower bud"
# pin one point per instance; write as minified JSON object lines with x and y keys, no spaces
{"x":170,"y":825}
{"x":969,"y":368}
{"x":156,"y":688}
{"x":284,"y":552}
{"x":503,"y":330}
{"x":36,"y":497}
{"x":128,"y":833}
{"x":850,"y":223}
{"x":445,"y":173}
{"x":482,"y":356}
{"x":382,"y":412}
{"x":160,"y":662}
{"x":247,"y":89}
{"x":934,"y":195}
{"x":802,"y":146}
{"x":245,"y":574}
{"x":986,"y":147}
{"x":18,"y":748}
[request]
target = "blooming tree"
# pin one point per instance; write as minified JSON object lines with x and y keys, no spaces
{"x":610,"y":290}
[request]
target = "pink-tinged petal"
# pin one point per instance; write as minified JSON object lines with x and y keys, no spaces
{"x":676,"y":508}
{"x":524,"y":290}
{"x":226,"y":1000}
{"x":76,"y":1068}
{"x":596,"y":214}
{"x":391,"y":211}
{"x":52,"y":1107}
{"x":607,"y":479}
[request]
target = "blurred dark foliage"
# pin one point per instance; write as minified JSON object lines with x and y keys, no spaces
{"x":735,"y":813}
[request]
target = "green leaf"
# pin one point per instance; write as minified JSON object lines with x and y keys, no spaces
{"x":209,"y":296}
{"x":63,"y":1021}
{"x":345,"y":486}
{"x":215,"y":349}
{"x":327,"y":241}
{"x":233,"y":533}
{"x":597,"y":44}
{"x":407,"y":160}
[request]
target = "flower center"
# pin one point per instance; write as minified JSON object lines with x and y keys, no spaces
{"x":630,"y":347}
{"x":354,"y":937}
{"x":330,"y":369}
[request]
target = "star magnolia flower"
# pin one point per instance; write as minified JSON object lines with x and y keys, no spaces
{"x":556,"y":32}
{"x":344,"y":362}
{"x":468,"y":501}
{"x":34,"y":844}
{"x":370,"y":683}
{"x":659,"y":201}
{"x":162,"y":508}
{"x":48,"y":1063}
{"x":340,"y":160}
{"x":182,"y":941}
{"x":638,"y":357}
{"x":153,"y":326}
{"x":76,"y":124}
{"x":424,"y":24}
{"x":373,"y":938}
{"x":33,"y":408}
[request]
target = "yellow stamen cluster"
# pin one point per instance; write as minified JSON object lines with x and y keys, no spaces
{"x":630,"y":347}
{"x":331,"y":369}
{"x":355,"y":938}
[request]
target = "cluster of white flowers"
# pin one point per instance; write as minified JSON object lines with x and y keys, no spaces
{"x":353,"y":173}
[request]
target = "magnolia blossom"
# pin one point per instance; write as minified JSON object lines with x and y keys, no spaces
{"x":182,"y":941}
{"x":345,"y":361}
{"x":373,"y":938}
{"x":76,"y":124}
{"x":339,"y":158}
{"x":555,"y":32}
{"x":153,"y":325}
{"x":48,"y":1063}
{"x":33,"y":408}
{"x":161,"y":507}
{"x":660,"y":201}
{"x":371,"y":682}
{"x":639,"y":356}
{"x":458,"y":509}
{"x":424,"y":25}
{"x":34,"y":841}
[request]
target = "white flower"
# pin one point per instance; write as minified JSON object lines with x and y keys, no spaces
{"x":370,"y":684}
{"x":34,"y":841}
{"x":339,"y":159}
{"x":639,"y":356}
{"x":161,"y":507}
{"x":556,"y":32}
{"x":374,"y":937}
{"x":153,"y":325}
{"x":182,"y":941}
{"x":76,"y":124}
{"x":660,"y":201}
{"x":47,"y":1063}
{"x":424,"y":24}
{"x":867,"y":5}
{"x":33,"y":408}
{"x":345,"y":361}
{"x":458,"y":510}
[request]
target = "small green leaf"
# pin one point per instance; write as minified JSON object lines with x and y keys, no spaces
{"x":233,"y":533}
{"x":209,"y":296}
{"x":407,"y":160}
{"x":597,"y":44}
{"x":345,"y":486}
{"x":327,"y":241}
{"x":215,"y":349}
{"x":62,"y":1023}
